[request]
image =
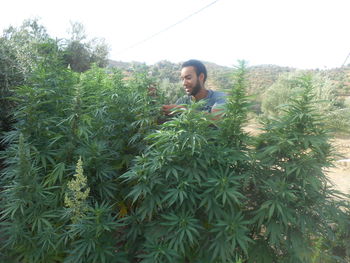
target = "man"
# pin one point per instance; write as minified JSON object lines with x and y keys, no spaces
{"x":194,"y":75}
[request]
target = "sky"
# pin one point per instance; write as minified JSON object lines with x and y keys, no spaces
{"x":304,"y":34}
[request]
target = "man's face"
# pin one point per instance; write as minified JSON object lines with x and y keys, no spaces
{"x":191,"y":83}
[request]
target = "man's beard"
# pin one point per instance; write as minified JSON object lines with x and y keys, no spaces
{"x":196,"y":89}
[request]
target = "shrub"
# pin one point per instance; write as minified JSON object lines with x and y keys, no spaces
{"x":294,"y":200}
{"x":202,"y":193}
{"x":61,"y":116}
{"x":334,"y":111}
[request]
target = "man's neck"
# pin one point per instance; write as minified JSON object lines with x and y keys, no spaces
{"x":202,"y":93}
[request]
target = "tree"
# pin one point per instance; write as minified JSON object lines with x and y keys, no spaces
{"x":80,"y":53}
{"x":21,"y":51}
{"x":289,"y":85}
{"x":334,"y":110}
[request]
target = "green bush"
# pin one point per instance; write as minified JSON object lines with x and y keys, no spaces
{"x":296,"y":204}
{"x":187,"y":190}
{"x":62,"y":116}
{"x":20,"y":51}
{"x":289,"y":86}
{"x":339,"y":120}
{"x":334,"y":110}
{"x":202,"y":192}
{"x":25,"y":48}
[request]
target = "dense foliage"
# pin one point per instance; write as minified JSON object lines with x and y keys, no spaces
{"x":61,"y":117}
{"x":80,"y":53}
{"x":20,"y":49}
{"x":202,"y":195}
{"x":92,"y":172}
{"x":25,"y":48}
{"x":334,"y":110}
{"x":296,"y":199}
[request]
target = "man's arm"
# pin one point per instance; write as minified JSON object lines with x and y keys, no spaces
{"x":179,"y":104}
{"x":168,"y":109}
{"x":217,"y":111}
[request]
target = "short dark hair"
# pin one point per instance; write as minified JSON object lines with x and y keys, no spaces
{"x":199,"y":67}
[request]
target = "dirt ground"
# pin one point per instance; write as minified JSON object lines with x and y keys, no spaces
{"x":340,"y":175}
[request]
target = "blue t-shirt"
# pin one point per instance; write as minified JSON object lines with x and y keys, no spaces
{"x":213,"y":99}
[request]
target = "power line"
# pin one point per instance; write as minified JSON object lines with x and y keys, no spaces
{"x":346,"y":59}
{"x":167,"y":28}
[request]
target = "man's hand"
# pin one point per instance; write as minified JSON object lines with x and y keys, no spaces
{"x":217,"y":113}
{"x":168,"y":109}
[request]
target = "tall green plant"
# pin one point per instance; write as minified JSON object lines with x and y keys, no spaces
{"x":30,"y":210}
{"x":202,"y":193}
{"x":187,"y":191}
{"x":236,"y":109}
{"x":292,"y":194}
{"x":335,"y":112}
{"x":21,"y":50}
{"x":90,"y":236}
{"x":63,"y":115}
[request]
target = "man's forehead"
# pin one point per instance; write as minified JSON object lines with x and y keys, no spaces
{"x":187,"y":71}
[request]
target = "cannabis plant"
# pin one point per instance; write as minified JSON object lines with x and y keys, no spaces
{"x":90,"y":236}
{"x":202,"y":192}
{"x":187,"y":191}
{"x":30,"y":210}
{"x":63,"y":116}
{"x":292,"y":194}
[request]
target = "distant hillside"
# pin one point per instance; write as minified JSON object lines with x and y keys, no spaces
{"x":219,"y":77}
{"x":341,"y":78}
{"x":263,"y":76}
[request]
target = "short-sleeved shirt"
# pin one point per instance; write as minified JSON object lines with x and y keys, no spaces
{"x":213,"y":99}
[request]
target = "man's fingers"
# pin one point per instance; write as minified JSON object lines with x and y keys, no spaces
{"x":168,"y":109}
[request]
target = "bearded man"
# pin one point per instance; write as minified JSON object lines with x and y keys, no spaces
{"x":194,"y":75}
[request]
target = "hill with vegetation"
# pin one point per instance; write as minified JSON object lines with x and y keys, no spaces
{"x":259,"y":77}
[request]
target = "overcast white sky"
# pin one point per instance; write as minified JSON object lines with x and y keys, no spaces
{"x":294,"y":33}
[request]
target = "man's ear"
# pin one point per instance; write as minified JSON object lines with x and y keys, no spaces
{"x":201,"y":77}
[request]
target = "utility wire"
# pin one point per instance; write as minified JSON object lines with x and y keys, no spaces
{"x":167,"y":28}
{"x":346,"y":59}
